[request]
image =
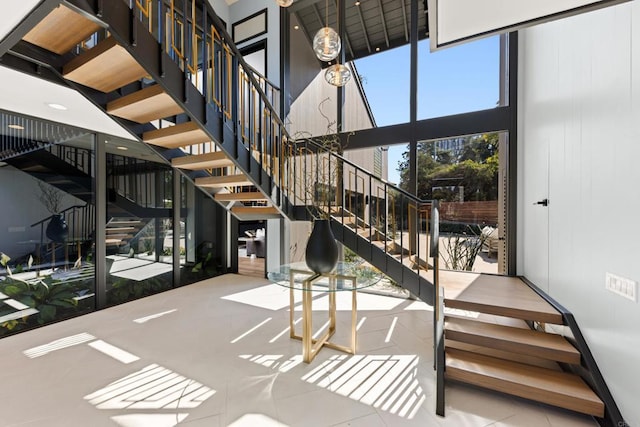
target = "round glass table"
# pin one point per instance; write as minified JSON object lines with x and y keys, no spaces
{"x":346,"y":276}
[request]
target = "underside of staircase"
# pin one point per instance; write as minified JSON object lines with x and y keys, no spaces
{"x":134,"y":97}
{"x":498,"y":336}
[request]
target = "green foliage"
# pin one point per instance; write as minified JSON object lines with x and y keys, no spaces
{"x":54,"y":299}
{"x":124,"y":290}
{"x":440,"y":173}
{"x":460,"y":250}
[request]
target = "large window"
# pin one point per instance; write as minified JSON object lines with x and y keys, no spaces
{"x":459,"y":79}
{"x":47,"y":223}
{"x":467,"y":174}
{"x":48,"y":232}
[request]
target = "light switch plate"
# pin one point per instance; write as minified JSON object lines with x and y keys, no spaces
{"x":622,"y":286}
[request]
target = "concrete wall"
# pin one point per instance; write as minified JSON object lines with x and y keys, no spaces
{"x":578,"y":146}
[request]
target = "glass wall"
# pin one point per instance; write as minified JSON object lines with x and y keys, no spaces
{"x":458,"y":79}
{"x":47,"y":223}
{"x":468,"y":175}
{"x":48,"y":227}
{"x":139,"y":229}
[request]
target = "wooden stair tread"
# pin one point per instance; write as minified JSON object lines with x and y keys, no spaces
{"x":249,"y":213}
{"x":150,"y":103}
{"x":106,"y":67}
{"x":523,"y":341}
{"x":61,"y":30}
{"x":118,"y":229}
{"x":180,"y":135}
{"x":120,"y":236}
{"x":506,"y":355}
{"x":213,"y":160}
{"x":238,"y":180}
{"x":125,"y":222}
{"x":530,"y":382}
{"x":246,"y":196}
{"x":499,"y":295}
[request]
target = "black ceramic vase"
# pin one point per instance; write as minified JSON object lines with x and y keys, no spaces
{"x":321,"y":254}
{"x":57,"y":230}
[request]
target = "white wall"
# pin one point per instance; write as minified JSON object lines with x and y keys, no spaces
{"x":245,"y":8}
{"x":222,"y":10}
{"x":580,"y":133}
{"x":21,"y":207}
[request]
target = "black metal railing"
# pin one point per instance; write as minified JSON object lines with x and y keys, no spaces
{"x":80,"y":221}
{"x":147,"y":184}
{"x":22,"y":135}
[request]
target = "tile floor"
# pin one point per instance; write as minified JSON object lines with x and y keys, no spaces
{"x":218,"y":353}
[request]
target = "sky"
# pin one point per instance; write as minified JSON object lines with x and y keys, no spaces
{"x":455,"y":80}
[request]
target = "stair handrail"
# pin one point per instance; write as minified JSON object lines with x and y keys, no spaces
{"x":438,"y":309}
{"x":87,"y":225}
{"x":60,"y":213}
{"x":404,"y":192}
{"x":262,"y":76}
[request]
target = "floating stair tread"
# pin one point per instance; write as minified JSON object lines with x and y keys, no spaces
{"x":150,"y":103}
{"x":213,"y":160}
{"x":247,"y":196}
{"x":499,"y":295}
{"x":515,"y":357}
{"x":181,"y":135}
{"x":119,"y":229}
{"x":120,"y":236}
{"x":106,"y":67}
{"x":523,"y":341}
{"x":255,"y":209}
{"x":61,"y":30}
{"x":255,"y":212}
{"x":530,"y":382}
{"x":237,"y":180}
{"x":124,"y":222}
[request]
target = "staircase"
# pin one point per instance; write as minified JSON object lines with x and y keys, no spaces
{"x":108,"y":66}
{"x":495,"y":348}
{"x":197,"y":102}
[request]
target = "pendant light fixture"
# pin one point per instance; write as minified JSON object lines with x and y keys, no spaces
{"x":338,"y":74}
{"x":326,"y":42}
{"x":284,"y":3}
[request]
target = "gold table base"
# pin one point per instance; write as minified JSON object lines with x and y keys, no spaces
{"x":311,"y":346}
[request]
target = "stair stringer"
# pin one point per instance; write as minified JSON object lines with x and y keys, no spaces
{"x":143,"y":46}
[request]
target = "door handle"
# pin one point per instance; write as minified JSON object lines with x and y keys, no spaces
{"x":543,"y":202}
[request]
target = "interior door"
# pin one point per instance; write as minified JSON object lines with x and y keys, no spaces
{"x":536,"y":212}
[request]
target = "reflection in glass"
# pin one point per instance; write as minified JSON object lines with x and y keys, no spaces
{"x":47,"y":226}
{"x":139,"y":230}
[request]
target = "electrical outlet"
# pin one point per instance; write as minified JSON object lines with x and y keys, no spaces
{"x":622,"y":286}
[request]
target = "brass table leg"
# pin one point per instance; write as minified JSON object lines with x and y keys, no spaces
{"x":311,"y":346}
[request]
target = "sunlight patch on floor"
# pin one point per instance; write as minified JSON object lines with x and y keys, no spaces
{"x":149,"y":420}
{"x":386,"y":382}
{"x":153,"y":387}
{"x":58,"y":344}
{"x":254,"y":420}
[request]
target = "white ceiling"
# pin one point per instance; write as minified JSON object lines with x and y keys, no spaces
{"x":13,"y":11}
{"x":30,"y":95}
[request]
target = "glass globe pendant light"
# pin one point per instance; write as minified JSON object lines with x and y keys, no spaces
{"x":337,"y":75}
{"x":326,"y":42}
{"x":284,"y":3}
